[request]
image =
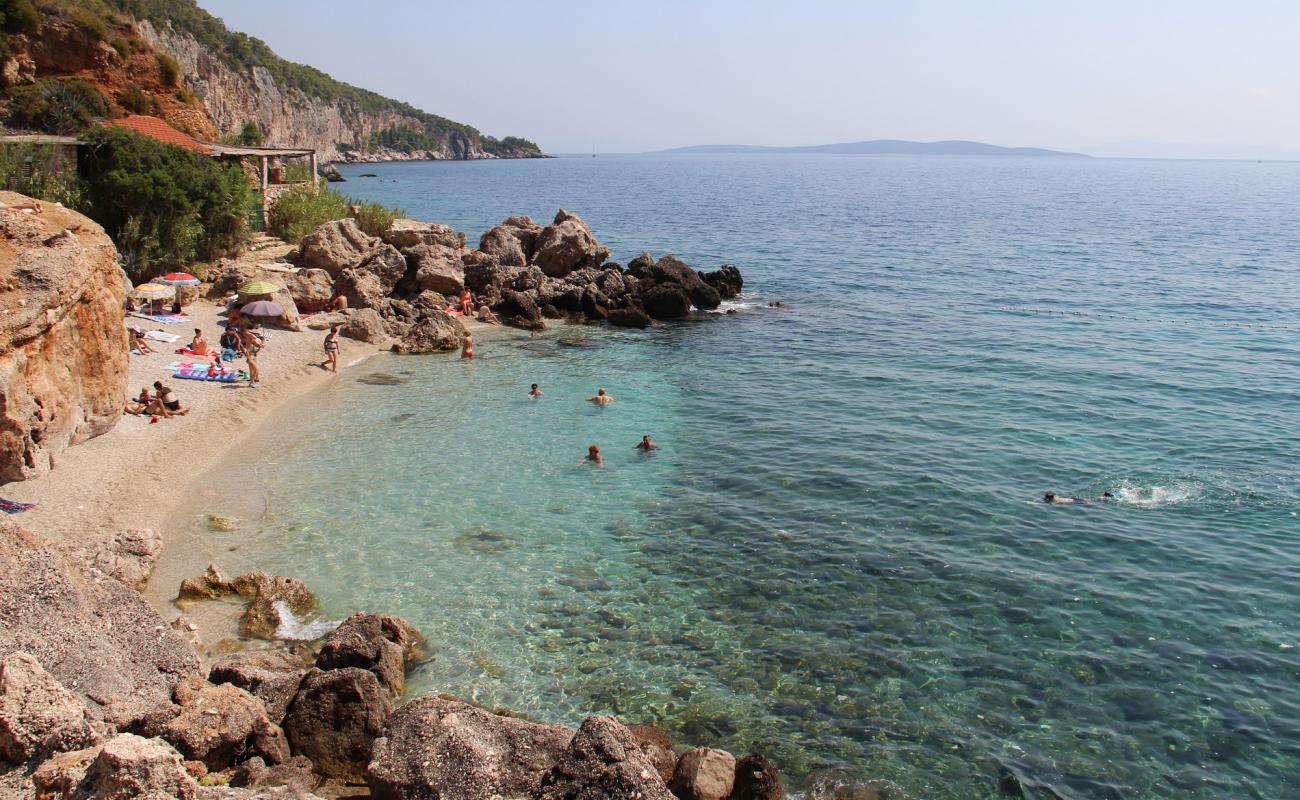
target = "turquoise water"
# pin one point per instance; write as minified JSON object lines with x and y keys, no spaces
{"x":834,"y":558}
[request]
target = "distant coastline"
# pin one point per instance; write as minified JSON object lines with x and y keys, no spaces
{"x":951,"y":147}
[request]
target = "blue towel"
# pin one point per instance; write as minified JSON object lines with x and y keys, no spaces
{"x":14,"y":507}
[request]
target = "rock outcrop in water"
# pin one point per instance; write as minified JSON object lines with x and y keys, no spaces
{"x":414,"y":273}
{"x":63,"y":347}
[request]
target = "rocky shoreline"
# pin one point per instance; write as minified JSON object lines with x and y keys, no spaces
{"x":118,"y":703}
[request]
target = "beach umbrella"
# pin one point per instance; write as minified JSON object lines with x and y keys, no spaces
{"x":263,"y":308}
{"x":152,"y":292}
{"x":179,"y":279}
{"x":259,"y":287}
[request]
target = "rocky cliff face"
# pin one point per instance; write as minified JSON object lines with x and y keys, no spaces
{"x":289,"y":117}
{"x":63,"y":348}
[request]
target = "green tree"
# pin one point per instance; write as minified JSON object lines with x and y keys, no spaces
{"x":250,"y":135}
{"x":61,"y":106}
{"x":164,"y":206}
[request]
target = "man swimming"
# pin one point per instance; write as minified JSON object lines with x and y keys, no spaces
{"x":535,"y":392}
{"x":646,"y":445}
{"x":1053,"y":499}
{"x":601,"y":399}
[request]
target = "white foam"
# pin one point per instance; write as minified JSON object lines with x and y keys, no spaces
{"x":291,"y":627}
{"x":1157,"y":495}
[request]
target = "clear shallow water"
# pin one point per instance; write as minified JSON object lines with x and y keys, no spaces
{"x":834,"y":558}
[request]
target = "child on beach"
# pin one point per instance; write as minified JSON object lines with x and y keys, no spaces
{"x":332,"y":349}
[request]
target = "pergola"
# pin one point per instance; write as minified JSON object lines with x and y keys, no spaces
{"x":265,"y":156}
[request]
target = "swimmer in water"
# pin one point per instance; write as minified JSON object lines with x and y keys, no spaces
{"x":1053,"y":499}
{"x":535,"y":392}
{"x":601,"y":399}
{"x":646,"y":445}
{"x":593,"y":457}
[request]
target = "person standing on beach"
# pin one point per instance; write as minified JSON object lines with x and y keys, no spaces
{"x":534,"y":392}
{"x":601,"y":399}
{"x":332,"y":349}
{"x":250,"y":355}
{"x":467,"y":346}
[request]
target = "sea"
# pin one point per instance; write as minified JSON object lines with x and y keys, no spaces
{"x":838,"y":556}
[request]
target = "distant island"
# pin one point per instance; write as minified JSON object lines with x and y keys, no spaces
{"x":882,"y":147}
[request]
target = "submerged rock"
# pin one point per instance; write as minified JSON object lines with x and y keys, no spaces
{"x":380,"y":379}
{"x":757,"y":779}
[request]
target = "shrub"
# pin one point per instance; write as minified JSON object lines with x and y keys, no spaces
{"x":186,"y":96}
{"x":300,"y":211}
{"x":19,"y":16}
{"x":138,"y":101}
{"x":90,"y":23}
{"x":163,"y":205}
{"x":62,"y":106}
{"x":168,"y":70}
{"x":250,"y":135}
{"x":46,"y":172}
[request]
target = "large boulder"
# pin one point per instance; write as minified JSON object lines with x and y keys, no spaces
{"x":38,"y":715}
{"x":364,"y":325}
{"x":604,"y":760}
{"x":362,"y":289}
{"x":311,"y":289}
{"x":335,"y":718}
{"x":406,"y":234}
{"x":129,"y":555}
{"x":387,"y":264}
{"x":726,"y":280}
{"x":130,"y":766}
{"x":443,"y":748}
{"x":566,"y":245}
{"x":219,"y":725}
{"x":297,"y":774}
{"x":757,"y":779}
{"x":63,"y":352}
{"x":267,"y":596}
{"x":658,"y":748}
{"x":518,"y":309}
{"x":437,"y":269}
{"x":382,"y":644}
{"x":511,"y":243}
{"x":272,"y":676}
{"x":334,"y":247}
{"x":704,"y":774}
{"x":671,"y":269}
{"x":93,"y":634}
{"x":666,"y":301}
{"x":629,"y":318}
{"x":436,"y":332}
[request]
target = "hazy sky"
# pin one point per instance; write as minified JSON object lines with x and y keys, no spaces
{"x":627,"y":77}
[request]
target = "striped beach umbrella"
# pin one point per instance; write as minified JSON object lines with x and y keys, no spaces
{"x":179,"y":279}
{"x":259,"y":287}
{"x":152,"y":291}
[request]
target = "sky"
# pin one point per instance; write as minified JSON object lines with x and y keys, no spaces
{"x":1178,"y":78}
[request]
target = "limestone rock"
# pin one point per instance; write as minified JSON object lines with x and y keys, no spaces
{"x":438,"y":747}
{"x":704,"y":774}
{"x":220,"y":724}
{"x":94,"y":635}
{"x":58,"y":776}
{"x":666,"y":301}
{"x":567,"y":244}
{"x":383,"y":645}
{"x":330,"y":173}
{"x":335,"y":718}
{"x":512,"y":242}
{"x":264,"y":593}
{"x":437,"y":269}
{"x":129,"y":766}
{"x":757,"y":779}
{"x":726,"y":280}
{"x":518,"y":309}
{"x":364,"y":325}
{"x":272,"y":676}
{"x":658,"y":748}
{"x":129,"y":555}
{"x":211,"y":585}
{"x":297,"y":773}
{"x":405,"y":234}
{"x":38,"y":715}
{"x":642,"y":266}
{"x":604,"y":760}
{"x":311,"y":289}
{"x":436,"y":332}
{"x":670,"y":269}
{"x":334,"y":247}
{"x":629,"y":318}
{"x":63,"y":353}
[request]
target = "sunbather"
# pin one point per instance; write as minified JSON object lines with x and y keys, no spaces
{"x":199,"y":345}
{"x":170,"y":402}
{"x":135,"y":336}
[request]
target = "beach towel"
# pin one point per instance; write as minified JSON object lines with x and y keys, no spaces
{"x":162,"y":336}
{"x":162,"y":319}
{"x":14,"y":507}
{"x":208,"y":356}
{"x":455,"y":312}
{"x":201,"y":374}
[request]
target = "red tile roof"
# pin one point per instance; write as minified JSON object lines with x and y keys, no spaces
{"x":156,"y":128}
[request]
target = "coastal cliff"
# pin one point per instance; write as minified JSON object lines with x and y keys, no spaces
{"x":63,"y":349}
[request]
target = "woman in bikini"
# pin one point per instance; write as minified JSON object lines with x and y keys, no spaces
{"x":199,"y":345}
{"x":467,"y":347}
{"x":332,"y":349}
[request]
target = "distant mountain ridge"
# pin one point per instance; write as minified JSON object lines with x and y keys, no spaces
{"x":950,"y":147}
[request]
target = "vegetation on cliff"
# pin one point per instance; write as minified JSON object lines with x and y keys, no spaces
{"x":301,"y":211}
{"x":163,"y":205}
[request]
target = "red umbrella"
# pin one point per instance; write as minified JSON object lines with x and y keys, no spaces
{"x":179,"y":279}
